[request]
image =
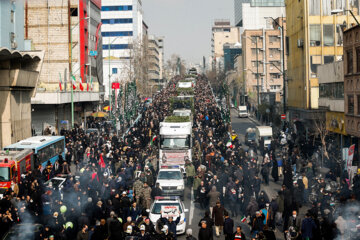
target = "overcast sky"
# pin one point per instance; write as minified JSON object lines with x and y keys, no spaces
{"x":186,"y":24}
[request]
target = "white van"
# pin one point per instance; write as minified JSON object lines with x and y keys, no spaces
{"x":243,"y":111}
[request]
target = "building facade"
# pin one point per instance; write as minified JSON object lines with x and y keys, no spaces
{"x":263,"y":61}
{"x":222,"y":33}
{"x":314,"y":37}
{"x":66,"y":31}
{"x":231,"y":51}
{"x":12,"y":24}
{"x":123,"y":30}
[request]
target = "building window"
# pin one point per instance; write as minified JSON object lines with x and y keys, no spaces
{"x":328,"y":34}
{"x":314,"y":7}
{"x":274,"y":75}
{"x":339,"y":34}
{"x":350,"y":104}
{"x":116,"y":8}
{"x":117,"y":34}
{"x":358,"y":104}
{"x":314,"y":62}
{"x":328,"y":59}
{"x":315,"y":35}
{"x":349,"y":57}
{"x":332,"y":90}
{"x":358,"y":59}
{"x":74,"y":12}
{"x":287,"y":43}
{"x":12,"y":13}
{"x":326,"y":7}
{"x":114,"y":70}
{"x":116,"y":46}
{"x":273,"y":39}
{"x":117,"y":21}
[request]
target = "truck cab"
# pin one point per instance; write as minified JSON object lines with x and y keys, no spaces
{"x":264,"y":135}
{"x":175,"y":143}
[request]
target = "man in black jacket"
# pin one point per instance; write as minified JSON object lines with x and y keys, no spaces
{"x":228,"y":227}
{"x":239,"y":235}
{"x":156,"y":191}
{"x":205,"y":233}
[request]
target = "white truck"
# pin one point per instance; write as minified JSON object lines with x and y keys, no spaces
{"x":264,"y":134}
{"x":243,"y":112}
{"x":185,"y":85}
{"x":175,"y":143}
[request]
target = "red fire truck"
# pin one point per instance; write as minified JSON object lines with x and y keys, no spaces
{"x":13,"y":164}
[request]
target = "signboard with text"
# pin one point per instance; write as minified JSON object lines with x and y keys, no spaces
{"x":170,"y":211}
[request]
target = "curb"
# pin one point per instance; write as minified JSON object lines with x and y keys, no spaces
{"x":257,"y":123}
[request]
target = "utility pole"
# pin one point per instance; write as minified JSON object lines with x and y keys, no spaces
{"x":283,"y":63}
{"x":257,"y":72}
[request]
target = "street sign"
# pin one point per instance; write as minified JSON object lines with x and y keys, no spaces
{"x":93,"y":53}
{"x":283,"y":116}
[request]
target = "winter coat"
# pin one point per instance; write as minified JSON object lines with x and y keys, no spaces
{"x":228,"y":226}
{"x":218,"y":215}
{"x":307,"y":228}
{"x":252,"y":207}
{"x":205,"y":234}
{"x":213,"y":197}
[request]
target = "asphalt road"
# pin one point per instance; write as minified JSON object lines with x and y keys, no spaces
{"x":195,"y":214}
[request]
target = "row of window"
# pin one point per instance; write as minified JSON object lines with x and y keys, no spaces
{"x":117,"y":34}
{"x":332,"y":90}
{"x":315,"y":61}
{"x":117,"y":8}
{"x":50,"y":151}
{"x":117,"y":21}
{"x":327,"y":5}
{"x":328,"y":35}
{"x":116,"y":46}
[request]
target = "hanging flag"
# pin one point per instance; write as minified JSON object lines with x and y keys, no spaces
{"x":243,"y":219}
{"x":60,"y":85}
{"x":81,"y":86}
{"x":153,"y":139}
{"x":235,"y":104}
{"x":101,"y":161}
{"x":229,"y":144}
{"x":87,"y":82}
{"x":73,"y":80}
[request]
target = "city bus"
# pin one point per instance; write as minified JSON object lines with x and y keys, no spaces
{"x":45,"y":148}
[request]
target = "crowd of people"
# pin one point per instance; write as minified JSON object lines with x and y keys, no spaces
{"x":111,"y":182}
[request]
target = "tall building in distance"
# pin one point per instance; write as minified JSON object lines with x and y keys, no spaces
{"x":314,"y":37}
{"x":12,"y":24}
{"x":222,"y":33}
{"x":262,"y":60}
{"x":66,"y":31}
{"x":238,"y":11}
{"x":123,"y":29}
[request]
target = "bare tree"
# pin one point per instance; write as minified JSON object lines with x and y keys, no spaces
{"x":322,"y":132}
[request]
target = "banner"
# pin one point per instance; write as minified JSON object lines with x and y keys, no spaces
{"x":170,"y":211}
{"x":350,"y":157}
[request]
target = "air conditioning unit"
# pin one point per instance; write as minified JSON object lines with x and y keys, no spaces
{"x":14,"y":45}
{"x":300,"y":43}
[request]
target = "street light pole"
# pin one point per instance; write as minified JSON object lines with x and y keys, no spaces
{"x":110,"y":76}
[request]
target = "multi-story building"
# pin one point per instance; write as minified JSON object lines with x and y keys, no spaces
{"x":19,"y":75}
{"x":153,"y":58}
{"x":67,"y":31}
{"x":230,"y":53}
{"x":263,"y":60}
{"x":314,"y":37}
{"x":331,"y":99}
{"x":352,"y":83}
{"x":123,"y":32}
{"x":12,"y":24}
{"x":222,"y":33}
{"x":251,"y":14}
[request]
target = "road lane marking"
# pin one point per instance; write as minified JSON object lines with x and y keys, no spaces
{"x":192,"y":208}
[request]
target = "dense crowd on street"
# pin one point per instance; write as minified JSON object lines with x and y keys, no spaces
{"x":105,"y":198}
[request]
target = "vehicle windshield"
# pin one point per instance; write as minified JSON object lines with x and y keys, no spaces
{"x":171,"y":175}
{"x":251,"y":136}
{"x":157,"y":207}
{"x":55,"y":182}
{"x":4,"y":174}
{"x":182,"y":114}
{"x":175,"y":143}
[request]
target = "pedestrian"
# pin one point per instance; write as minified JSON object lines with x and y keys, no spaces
{"x":213,"y":196}
{"x":308,"y":227}
{"x":190,"y":172}
{"x":205,"y":233}
{"x":228,"y":227}
{"x":218,"y":218}
{"x":238,"y":234}
{"x":257,"y":223}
